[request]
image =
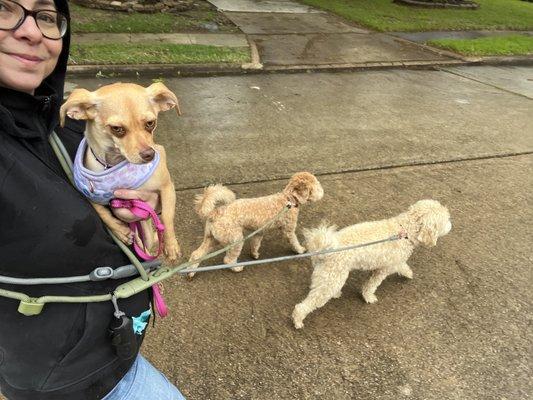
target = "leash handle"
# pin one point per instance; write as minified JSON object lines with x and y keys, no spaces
{"x":159,"y":302}
{"x":142,"y":210}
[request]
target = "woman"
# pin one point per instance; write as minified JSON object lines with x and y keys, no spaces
{"x":48,"y":229}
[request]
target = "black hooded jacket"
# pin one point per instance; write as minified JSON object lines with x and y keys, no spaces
{"x":48,"y":229}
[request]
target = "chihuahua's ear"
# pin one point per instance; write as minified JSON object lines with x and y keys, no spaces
{"x":81,"y":104}
{"x":162,"y":97}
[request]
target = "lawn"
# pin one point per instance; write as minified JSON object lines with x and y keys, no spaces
{"x":488,"y":46}
{"x":89,"y":20}
{"x":384,"y":15}
{"x":156,"y":53}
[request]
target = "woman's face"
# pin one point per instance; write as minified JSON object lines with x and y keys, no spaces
{"x":26,"y":56}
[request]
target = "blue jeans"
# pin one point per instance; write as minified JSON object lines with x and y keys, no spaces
{"x":143,"y":382}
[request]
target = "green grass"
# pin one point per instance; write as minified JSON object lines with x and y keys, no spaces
{"x":156,"y":53}
{"x":488,"y":46}
{"x":89,"y":20}
{"x":384,"y":15}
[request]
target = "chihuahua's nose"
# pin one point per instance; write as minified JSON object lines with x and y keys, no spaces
{"x":147,"y":155}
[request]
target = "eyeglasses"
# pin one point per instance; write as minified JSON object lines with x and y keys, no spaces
{"x":52,"y":24}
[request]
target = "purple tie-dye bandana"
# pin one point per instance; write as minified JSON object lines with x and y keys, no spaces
{"x":99,"y":186}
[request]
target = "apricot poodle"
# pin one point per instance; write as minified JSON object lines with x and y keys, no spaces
{"x":227,"y":219}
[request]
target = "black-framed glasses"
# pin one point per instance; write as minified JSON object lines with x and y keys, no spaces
{"x":52,"y":24}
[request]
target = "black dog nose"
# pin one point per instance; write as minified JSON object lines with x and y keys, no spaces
{"x":147,"y":155}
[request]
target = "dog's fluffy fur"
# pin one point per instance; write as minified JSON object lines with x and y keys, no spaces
{"x":227,"y":218}
{"x":424,"y":222}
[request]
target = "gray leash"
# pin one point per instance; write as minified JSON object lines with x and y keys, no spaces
{"x":98,"y":274}
{"x":286,"y":258}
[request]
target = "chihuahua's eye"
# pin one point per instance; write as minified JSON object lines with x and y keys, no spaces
{"x":117,"y":130}
{"x":150,"y":125}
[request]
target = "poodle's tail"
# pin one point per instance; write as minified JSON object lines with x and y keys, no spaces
{"x":213,"y":196}
{"x":321,"y":238}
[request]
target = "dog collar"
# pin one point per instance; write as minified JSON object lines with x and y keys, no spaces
{"x":103,"y":163}
{"x":292,"y":201}
{"x":402,"y":234}
{"x":99,"y":187}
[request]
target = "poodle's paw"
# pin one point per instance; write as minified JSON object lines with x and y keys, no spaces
{"x":297,"y":317}
{"x":237,"y":269}
{"x":337,"y":295}
{"x":370,"y":297}
{"x":254,"y":254}
{"x":190,"y":275}
{"x":300,"y":249}
{"x":406,"y":273}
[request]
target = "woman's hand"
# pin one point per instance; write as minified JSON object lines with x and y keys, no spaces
{"x":124,"y":214}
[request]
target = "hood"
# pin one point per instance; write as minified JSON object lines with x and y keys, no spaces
{"x":56,"y":81}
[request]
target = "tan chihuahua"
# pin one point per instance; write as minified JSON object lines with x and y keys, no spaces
{"x":121,"y":119}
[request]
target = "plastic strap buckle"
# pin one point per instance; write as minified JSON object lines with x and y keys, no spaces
{"x":30,"y":307}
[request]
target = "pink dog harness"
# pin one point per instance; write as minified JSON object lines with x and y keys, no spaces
{"x":99,"y":186}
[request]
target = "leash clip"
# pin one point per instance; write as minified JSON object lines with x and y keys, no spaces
{"x":122,"y":334}
{"x":117,"y":312}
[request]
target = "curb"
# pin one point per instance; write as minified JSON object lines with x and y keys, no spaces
{"x":381,"y":65}
{"x":172,"y":70}
{"x":431,"y":49}
{"x":203,"y":70}
{"x":501,"y":60}
{"x":487,"y":60}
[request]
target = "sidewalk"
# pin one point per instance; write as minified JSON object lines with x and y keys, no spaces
{"x":208,"y":39}
{"x":378,"y":141}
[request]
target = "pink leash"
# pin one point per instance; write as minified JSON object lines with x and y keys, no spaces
{"x":143,"y":210}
